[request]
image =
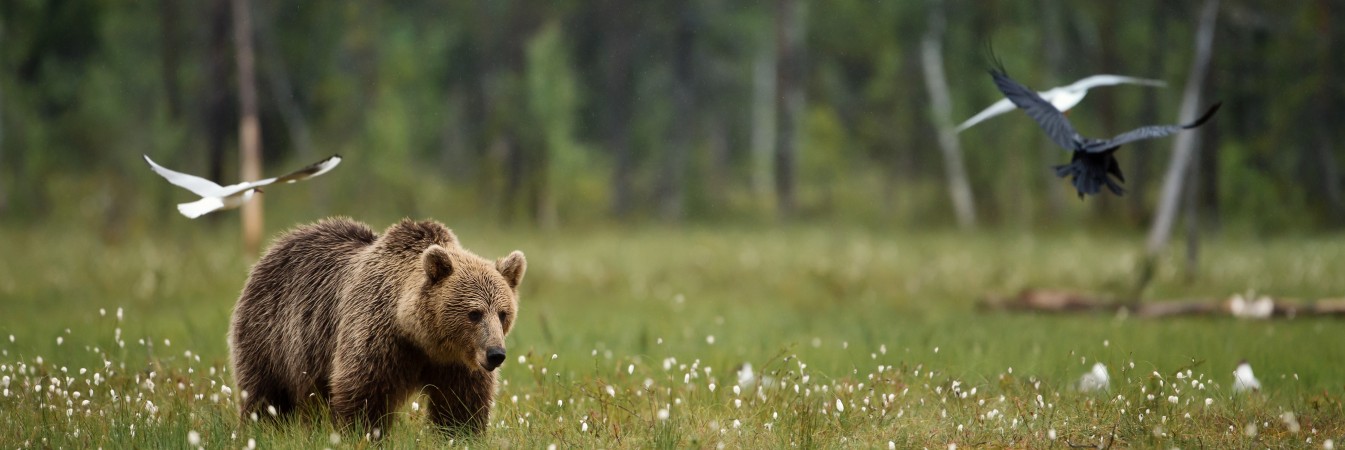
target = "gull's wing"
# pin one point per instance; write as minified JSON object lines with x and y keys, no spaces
{"x":199,"y":186}
{"x":1111,"y":80}
{"x":1000,"y":107}
{"x":1051,"y":120}
{"x":1150,"y":132}
{"x":310,"y":171}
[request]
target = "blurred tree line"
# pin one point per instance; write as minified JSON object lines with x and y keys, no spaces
{"x":667,"y":110}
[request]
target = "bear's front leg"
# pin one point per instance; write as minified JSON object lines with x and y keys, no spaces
{"x":365,"y":393}
{"x":459,"y":398}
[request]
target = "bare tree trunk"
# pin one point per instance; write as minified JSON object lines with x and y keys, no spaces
{"x":763,"y":121}
{"x":1328,"y":118}
{"x":1183,"y":147}
{"x":4,"y":194}
{"x":169,"y":17}
{"x":619,"y":82}
{"x":931,"y":52}
{"x":789,"y":31}
{"x":1192,"y":213}
{"x":249,"y":128}
{"x":217,"y":91}
{"x":282,"y":90}
{"x":672,"y":181}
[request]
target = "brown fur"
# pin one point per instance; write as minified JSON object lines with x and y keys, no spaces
{"x":335,"y":313}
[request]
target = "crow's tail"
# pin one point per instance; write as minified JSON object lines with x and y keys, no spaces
{"x":1089,"y":172}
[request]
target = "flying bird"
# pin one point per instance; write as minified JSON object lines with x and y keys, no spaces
{"x":1062,"y":98}
{"x":1093,"y":163}
{"x":1095,"y":380}
{"x":1243,"y":380}
{"x":215,"y":197}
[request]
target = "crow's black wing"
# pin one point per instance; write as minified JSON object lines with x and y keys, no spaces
{"x":1051,"y":120}
{"x":1149,"y":132}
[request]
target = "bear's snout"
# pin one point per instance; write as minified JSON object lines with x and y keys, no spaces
{"x":494,"y":357}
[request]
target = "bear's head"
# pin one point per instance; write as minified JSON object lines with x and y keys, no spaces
{"x":463,"y":306}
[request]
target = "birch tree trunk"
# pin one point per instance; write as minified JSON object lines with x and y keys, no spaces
{"x":1183,"y":147}
{"x":249,"y":128}
{"x":789,"y":32}
{"x":931,"y":53}
{"x":672,"y":181}
{"x":763,"y":121}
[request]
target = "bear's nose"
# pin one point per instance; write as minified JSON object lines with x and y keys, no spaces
{"x":494,"y":357}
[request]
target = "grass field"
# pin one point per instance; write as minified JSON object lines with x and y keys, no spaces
{"x":631,"y":338}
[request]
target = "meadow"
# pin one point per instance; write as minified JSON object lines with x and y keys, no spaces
{"x":859,"y":337}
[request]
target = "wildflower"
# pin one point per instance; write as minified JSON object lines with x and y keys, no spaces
{"x":193,"y":437}
{"x":1244,"y":380}
{"x":662,"y":414}
{"x":1290,"y":421}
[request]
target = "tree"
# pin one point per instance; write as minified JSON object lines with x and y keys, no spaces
{"x":249,"y":126}
{"x":931,"y":51}
{"x":618,"y":84}
{"x":790,"y":100}
{"x":672,"y":180}
{"x":1183,"y":147}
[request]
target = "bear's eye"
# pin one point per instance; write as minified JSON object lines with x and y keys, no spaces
{"x":504,"y":317}
{"x":475,"y":316}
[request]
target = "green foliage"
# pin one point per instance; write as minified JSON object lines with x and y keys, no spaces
{"x":450,"y":95}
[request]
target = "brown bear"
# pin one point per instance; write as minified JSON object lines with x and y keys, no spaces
{"x":335,"y":313}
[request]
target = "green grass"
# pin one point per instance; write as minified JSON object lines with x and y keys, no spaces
{"x":883,"y":323}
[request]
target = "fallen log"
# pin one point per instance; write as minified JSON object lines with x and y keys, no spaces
{"x":1263,"y":307}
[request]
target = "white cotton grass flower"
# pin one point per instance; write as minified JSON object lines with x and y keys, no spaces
{"x":1244,"y":380}
{"x":1095,"y":380}
{"x":193,"y":437}
{"x":746,"y":378}
{"x":1290,"y":421}
{"x":662,"y":414}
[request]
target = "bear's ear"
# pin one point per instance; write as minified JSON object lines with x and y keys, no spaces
{"x":437,"y":263}
{"x":512,"y":267}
